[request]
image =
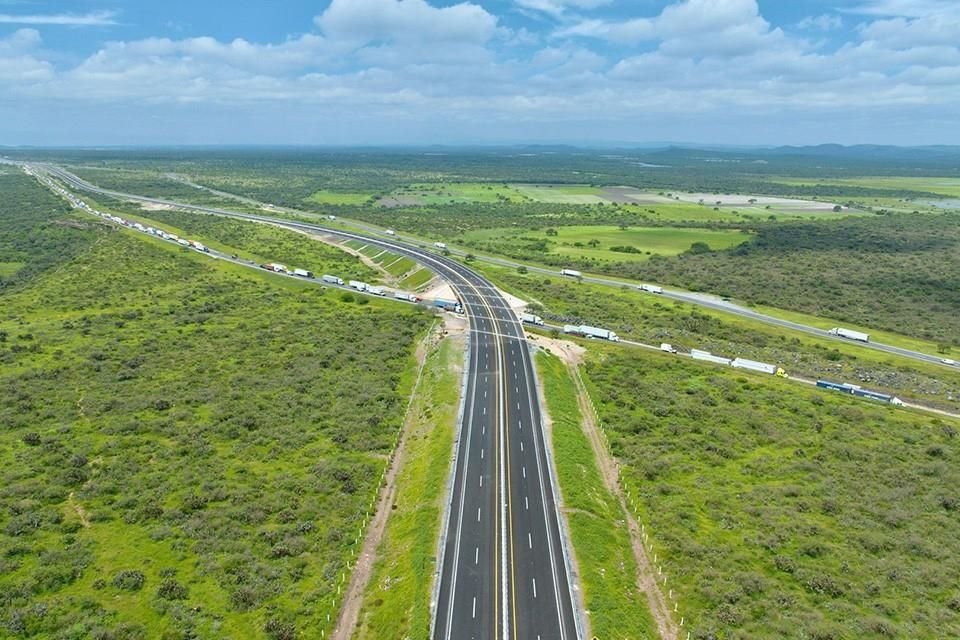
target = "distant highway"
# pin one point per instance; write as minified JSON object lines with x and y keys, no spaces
{"x":504,"y":572}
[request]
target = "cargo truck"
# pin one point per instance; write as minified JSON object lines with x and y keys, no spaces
{"x":529,"y":318}
{"x":359,"y":286}
{"x":303,"y":273}
{"x":597,"y":332}
{"x":440,"y":245}
{"x":753,"y":365}
{"x":390,"y":232}
{"x":651,"y":288}
{"x":448,"y":305}
{"x":183,"y":243}
{"x":706,"y":356}
{"x":849,"y":334}
{"x":667,"y":347}
{"x":572,"y":273}
{"x":860,"y":392}
{"x":332,"y":279}
{"x":403,"y":295}
{"x":377,"y":291}
{"x":199,"y":247}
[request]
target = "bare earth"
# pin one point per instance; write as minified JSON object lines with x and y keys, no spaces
{"x":363,"y":569}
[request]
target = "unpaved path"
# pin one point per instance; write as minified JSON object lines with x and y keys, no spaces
{"x":363,"y":568}
{"x":646,"y":578}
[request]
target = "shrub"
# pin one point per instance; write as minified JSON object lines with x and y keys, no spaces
{"x":129,"y":580}
{"x":170,"y":589}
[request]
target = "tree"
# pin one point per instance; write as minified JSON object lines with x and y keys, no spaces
{"x":594,"y":243}
{"x":469,"y":257}
{"x":837,"y":208}
{"x":551,"y":231}
{"x":521,"y":269}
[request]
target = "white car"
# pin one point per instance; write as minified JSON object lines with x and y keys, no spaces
{"x":948,"y":361}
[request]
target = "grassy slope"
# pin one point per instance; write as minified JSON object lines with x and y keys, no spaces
{"x":608,"y":571}
{"x":397,"y":601}
{"x":780,"y":512}
{"x":192,"y":421}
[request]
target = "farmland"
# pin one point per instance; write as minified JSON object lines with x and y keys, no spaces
{"x":595,"y":246}
{"x":781,"y":512}
{"x":184,"y":443}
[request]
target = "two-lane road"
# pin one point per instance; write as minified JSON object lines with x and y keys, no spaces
{"x":503,"y":573}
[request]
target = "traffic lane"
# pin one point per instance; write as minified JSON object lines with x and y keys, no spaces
{"x":535,"y":560}
{"x":466,"y":607}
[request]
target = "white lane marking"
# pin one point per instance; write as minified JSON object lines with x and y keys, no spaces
{"x":484,"y":393}
{"x":474,"y":606}
{"x":516,"y":389}
{"x":481,"y":480}
{"x":521,"y":446}
{"x":529,"y":540}
{"x":534,"y":587}
{"x":518,"y":406}
{"x":526,"y":503}
{"x":483,"y":431}
{"x":481,"y":454}
{"x":476,"y":558}
{"x":484,"y":411}
{"x":478,"y":514}
{"x":524,"y":469}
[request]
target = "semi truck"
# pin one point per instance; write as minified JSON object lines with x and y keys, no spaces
{"x":332,"y":279}
{"x":572,"y":273}
{"x":706,"y":356}
{"x":591,"y":332}
{"x":753,"y":365}
{"x":403,"y":295}
{"x":651,"y":288}
{"x":377,"y":291}
{"x":448,"y":305}
{"x":440,"y":245}
{"x":529,"y":318}
{"x":303,"y":273}
{"x":667,"y":347}
{"x":359,"y":286}
{"x":849,"y":334}
{"x":272,"y":266}
{"x":860,"y":392}
{"x":199,"y":247}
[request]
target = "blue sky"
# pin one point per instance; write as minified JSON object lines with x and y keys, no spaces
{"x":96,"y":72}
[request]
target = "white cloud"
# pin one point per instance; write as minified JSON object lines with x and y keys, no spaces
{"x":558,"y":8}
{"x":905,"y":8}
{"x":905,"y":33}
{"x":824,"y":22}
{"x":94,"y":19}
{"x":406,"y":20}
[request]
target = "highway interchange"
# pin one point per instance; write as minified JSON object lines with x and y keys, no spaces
{"x":504,"y":571}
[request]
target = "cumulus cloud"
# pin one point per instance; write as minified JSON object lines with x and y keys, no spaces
{"x":406,"y":20}
{"x":401,"y":60}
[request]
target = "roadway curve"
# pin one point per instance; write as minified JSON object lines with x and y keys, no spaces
{"x":504,"y":572}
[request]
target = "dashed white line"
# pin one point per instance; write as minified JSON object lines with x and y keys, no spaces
{"x":474,"y":606}
{"x":476,"y":557}
{"x":529,"y":540}
{"x":534,"y":587}
{"x":481,"y":454}
{"x":481,"y":480}
{"x":526,"y":503}
{"x":524,"y":469}
{"x":478,"y":514}
{"x":521,"y":446}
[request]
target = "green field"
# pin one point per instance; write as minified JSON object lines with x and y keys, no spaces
{"x":596,"y":244}
{"x":397,"y":600}
{"x":457,"y":192}
{"x":339,"y":198}
{"x":942,"y":185}
{"x":185,"y":441}
{"x":7,"y":269}
{"x":601,"y":541}
{"x":560,"y":193}
{"x":780,"y":511}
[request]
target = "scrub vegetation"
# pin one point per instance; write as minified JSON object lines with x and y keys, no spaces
{"x":601,"y":541}
{"x":651,"y":319}
{"x":781,"y":512}
{"x":397,"y":601}
{"x":188,"y":448}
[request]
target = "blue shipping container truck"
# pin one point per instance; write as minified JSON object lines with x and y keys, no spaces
{"x":448,"y":305}
{"x":857,"y":391}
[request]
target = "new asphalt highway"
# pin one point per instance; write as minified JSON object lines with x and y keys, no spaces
{"x":503,"y":573}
